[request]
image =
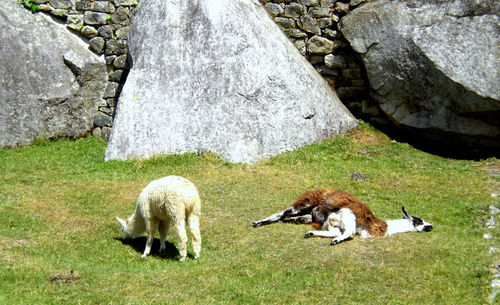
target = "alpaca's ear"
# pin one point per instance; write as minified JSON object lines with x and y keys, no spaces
{"x":122,"y":222}
{"x":406,"y":216}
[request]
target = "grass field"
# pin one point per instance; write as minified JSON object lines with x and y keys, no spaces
{"x":60,"y":242}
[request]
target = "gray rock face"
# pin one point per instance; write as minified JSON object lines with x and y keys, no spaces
{"x":433,"y":67}
{"x":50,"y":84}
{"x":218,"y":76}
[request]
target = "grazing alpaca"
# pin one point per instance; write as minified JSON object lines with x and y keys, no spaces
{"x":169,"y":201}
{"x":340,"y":215}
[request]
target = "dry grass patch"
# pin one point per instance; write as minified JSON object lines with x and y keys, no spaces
{"x":367,"y":137}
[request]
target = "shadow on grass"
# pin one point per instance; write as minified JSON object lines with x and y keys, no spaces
{"x":139,"y":243}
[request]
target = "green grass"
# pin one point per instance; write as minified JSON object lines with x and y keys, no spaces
{"x":58,"y":201}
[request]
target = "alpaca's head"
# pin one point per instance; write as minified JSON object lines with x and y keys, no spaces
{"x":125,"y":230}
{"x":419,"y":224}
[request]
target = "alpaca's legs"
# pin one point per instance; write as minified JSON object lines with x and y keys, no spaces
{"x":348,"y":220}
{"x":180,"y":228}
{"x":163,"y":228}
{"x":333,"y":226}
{"x":151,"y":227}
{"x":341,"y":226}
{"x":194,"y":228}
{"x":331,"y":233}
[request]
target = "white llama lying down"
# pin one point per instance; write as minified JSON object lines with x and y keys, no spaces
{"x":169,"y":201}
{"x":340,"y":215}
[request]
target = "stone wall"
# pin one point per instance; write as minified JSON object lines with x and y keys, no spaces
{"x":310,"y":24}
{"x":103,"y":25}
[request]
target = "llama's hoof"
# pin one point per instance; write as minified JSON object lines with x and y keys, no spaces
{"x":182,"y":259}
{"x":308,"y":234}
{"x":162,"y":249}
{"x":196,"y":256}
{"x":334,"y":242}
{"x":144,"y":256}
{"x":255,"y":224}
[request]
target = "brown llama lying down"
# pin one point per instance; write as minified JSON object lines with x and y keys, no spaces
{"x":340,"y":215}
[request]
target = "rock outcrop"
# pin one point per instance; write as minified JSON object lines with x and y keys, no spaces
{"x":50,"y":84}
{"x":433,"y":68}
{"x":218,"y":76}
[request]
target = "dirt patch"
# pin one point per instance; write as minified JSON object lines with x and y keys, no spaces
{"x":72,"y":277}
{"x":9,"y":243}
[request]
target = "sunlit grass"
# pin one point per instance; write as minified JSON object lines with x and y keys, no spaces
{"x":58,"y":201}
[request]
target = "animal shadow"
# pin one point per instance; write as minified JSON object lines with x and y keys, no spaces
{"x":139,"y":243}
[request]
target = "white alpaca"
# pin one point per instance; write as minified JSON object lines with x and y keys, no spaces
{"x":342,"y":225}
{"x":340,"y":216}
{"x":169,"y":201}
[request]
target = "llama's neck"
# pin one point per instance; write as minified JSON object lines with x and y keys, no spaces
{"x":399,"y":226}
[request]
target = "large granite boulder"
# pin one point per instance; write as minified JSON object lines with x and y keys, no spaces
{"x":218,"y":76}
{"x":50,"y":83}
{"x":433,"y":68}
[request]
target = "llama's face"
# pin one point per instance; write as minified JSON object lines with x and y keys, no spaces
{"x":124,"y":223}
{"x":419,"y":224}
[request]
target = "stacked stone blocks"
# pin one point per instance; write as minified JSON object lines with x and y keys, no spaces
{"x":103,"y":24}
{"x":312,"y":26}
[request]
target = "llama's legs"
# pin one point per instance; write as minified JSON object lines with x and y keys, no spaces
{"x":305,"y":219}
{"x":289,"y":212}
{"x":163,"y":228}
{"x":194,"y":228}
{"x":151,"y":227}
{"x":180,"y":228}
